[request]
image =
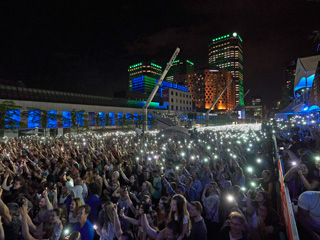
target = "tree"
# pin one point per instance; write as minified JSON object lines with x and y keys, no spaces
{"x":9,"y":116}
{"x":286,"y":97}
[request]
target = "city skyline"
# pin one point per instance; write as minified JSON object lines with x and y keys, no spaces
{"x":77,"y":46}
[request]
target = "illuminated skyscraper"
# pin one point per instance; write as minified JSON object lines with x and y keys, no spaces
{"x":226,"y":52}
{"x":179,"y":67}
{"x":144,"y":76}
{"x":146,"y":72}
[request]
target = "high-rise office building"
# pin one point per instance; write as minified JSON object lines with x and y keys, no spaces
{"x":144,"y":76}
{"x":226,"y":52}
{"x":206,"y":85}
{"x":147,"y":72}
{"x":179,"y":67}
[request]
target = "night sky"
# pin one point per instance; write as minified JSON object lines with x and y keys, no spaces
{"x":87,"y":46}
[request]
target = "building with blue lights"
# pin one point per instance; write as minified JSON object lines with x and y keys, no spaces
{"x":144,"y":74}
{"x":304,"y":82}
{"x":306,"y":88}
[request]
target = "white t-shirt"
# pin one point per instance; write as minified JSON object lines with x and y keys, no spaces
{"x":310,"y":201}
{"x":185,"y":218}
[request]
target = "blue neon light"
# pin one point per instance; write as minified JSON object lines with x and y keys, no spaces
{"x":12,"y":119}
{"x":302,"y":83}
{"x":112,"y":121}
{"x":80,"y":119}
{"x":34,"y":119}
{"x":102,"y":118}
{"x":120,"y":117}
{"x":66,"y":118}
{"x":314,"y":107}
{"x":305,"y":108}
{"x":52,"y":119}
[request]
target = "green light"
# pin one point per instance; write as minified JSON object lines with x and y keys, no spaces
{"x":135,"y":65}
{"x":234,"y":34}
{"x":155,"y":65}
{"x":190,"y":62}
{"x":240,"y":38}
{"x":176,"y":61}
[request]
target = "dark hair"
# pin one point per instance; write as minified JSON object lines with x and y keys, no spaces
{"x":166,"y":203}
{"x":174,"y":226}
{"x":181,"y":211}
{"x":94,"y":188}
{"x":95,"y":171}
{"x":13,"y":208}
{"x":87,"y":208}
{"x":197,"y":205}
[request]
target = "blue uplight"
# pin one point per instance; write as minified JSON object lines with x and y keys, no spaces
{"x":302,"y":83}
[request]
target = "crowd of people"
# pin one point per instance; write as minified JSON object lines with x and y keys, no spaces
{"x":218,"y":184}
{"x":299,"y":141}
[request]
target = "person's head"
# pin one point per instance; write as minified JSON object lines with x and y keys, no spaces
{"x":164,"y":203}
{"x":115,"y":185}
{"x":152,"y":218}
{"x":94,"y":188}
{"x":213,"y":188}
{"x":75,"y":204}
{"x":155,"y":173}
{"x":139,"y":169}
{"x":42,"y":203}
{"x":115,"y":176}
{"x":18,"y":184}
{"x":172,"y":230}
{"x":122,"y":191}
{"x":64,"y":190}
{"x":266,"y":174}
{"x":262,"y":212}
{"x":90,"y":165}
{"x":108,"y":212}
{"x":236,"y":223}
{"x":146,"y":174}
{"x":133,"y":179}
{"x":146,"y":186}
{"x":178,"y":207}
{"x":304,"y":168}
{"x":95,"y":172}
{"x":55,"y":215}
{"x":262,"y":197}
{"x":195,"y":209}
{"x":13,"y":209}
{"x":189,"y":181}
{"x":83,"y":213}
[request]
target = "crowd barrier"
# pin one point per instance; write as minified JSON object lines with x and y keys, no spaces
{"x":286,"y":205}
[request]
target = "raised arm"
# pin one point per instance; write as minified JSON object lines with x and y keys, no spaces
{"x":146,"y":227}
{"x":117,"y":225}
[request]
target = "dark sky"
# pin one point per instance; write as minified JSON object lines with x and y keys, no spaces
{"x":87,"y":46}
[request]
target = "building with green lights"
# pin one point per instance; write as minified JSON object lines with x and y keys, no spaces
{"x":146,"y":70}
{"x":179,"y":67}
{"x":226,"y":52}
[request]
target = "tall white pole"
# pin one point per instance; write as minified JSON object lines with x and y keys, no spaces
{"x":156,"y":87}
